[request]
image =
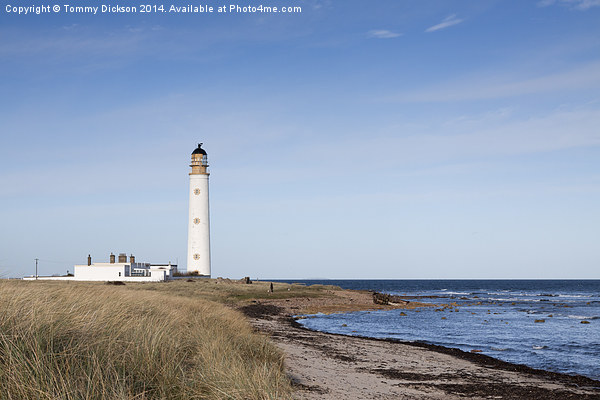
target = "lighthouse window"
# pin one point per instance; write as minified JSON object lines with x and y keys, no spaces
{"x":196,"y":256}
{"x":196,"y":220}
{"x":196,"y":191}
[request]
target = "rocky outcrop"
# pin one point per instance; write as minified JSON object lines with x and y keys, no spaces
{"x":388,"y":299}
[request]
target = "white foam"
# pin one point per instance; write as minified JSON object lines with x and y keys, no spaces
{"x":580,"y":317}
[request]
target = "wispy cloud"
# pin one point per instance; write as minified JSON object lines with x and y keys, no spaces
{"x":70,"y":27}
{"x":62,"y":45}
{"x":449,"y":21}
{"x":581,"y":77}
{"x":316,"y":4}
{"x":383,"y":34}
{"x":575,"y":4}
{"x":471,"y":139}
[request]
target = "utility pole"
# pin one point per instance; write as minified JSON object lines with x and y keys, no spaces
{"x":36,"y":262}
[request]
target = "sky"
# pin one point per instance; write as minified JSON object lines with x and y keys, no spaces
{"x":354,"y":139}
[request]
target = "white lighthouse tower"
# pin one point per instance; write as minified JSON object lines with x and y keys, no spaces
{"x":198,"y":258}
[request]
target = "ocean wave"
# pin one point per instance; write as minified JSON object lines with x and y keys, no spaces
{"x":515,"y":299}
{"x":525,"y":294}
{"x":581,"y":317}
{"x":534,"y":347}
{"x":460,"y":293}
{"x":520,"y":294}
{"x":499,"y":348}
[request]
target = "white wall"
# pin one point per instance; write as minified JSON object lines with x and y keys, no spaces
{"x":199,"y":233}
{"x":100,"y":272}
{"x":169,"y":268}
{"x":110,"y":272}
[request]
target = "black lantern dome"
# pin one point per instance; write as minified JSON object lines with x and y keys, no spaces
{"x":199,"y":150}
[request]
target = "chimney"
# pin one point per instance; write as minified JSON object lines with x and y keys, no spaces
{"x":122,"y":257}
{"x":89,"y":260}
{"x":112,"y":258}
{"x":132,"y":259}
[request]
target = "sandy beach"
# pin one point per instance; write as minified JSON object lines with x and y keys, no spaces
{"x":328,"y":366}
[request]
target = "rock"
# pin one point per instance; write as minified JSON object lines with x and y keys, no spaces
{"x":476,"y":351}
{"x":387,"y":299}
{"x":539,"y":320}
{"x":380,"y":298}
{"x":585,"y":322}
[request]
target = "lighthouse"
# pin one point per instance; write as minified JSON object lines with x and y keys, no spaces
{"x":198,"y":258}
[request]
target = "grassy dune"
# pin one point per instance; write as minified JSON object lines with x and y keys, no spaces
{"x":235,"y":293}
{"x":62,"y":340}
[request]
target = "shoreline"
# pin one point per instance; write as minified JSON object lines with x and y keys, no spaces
{"x":477,"y":358}
{"x":329,"y":366}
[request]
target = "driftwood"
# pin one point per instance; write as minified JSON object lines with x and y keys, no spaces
{"x":388,"y":299}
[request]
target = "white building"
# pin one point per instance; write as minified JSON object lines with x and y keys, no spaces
{"x":121,"y":270}
{"x":198,"y":257}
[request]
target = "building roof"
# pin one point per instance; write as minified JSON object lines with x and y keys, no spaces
{"x":199,"y":150}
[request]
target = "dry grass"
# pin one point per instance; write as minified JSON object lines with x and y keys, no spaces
{"x":236,"y":293}
{"x":62,"y":340}
{"x":294,"y":298}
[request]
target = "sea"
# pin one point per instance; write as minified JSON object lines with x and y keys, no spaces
{"x":552,"y":325}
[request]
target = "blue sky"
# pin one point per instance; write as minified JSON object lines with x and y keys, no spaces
{"x":356,"y":139}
